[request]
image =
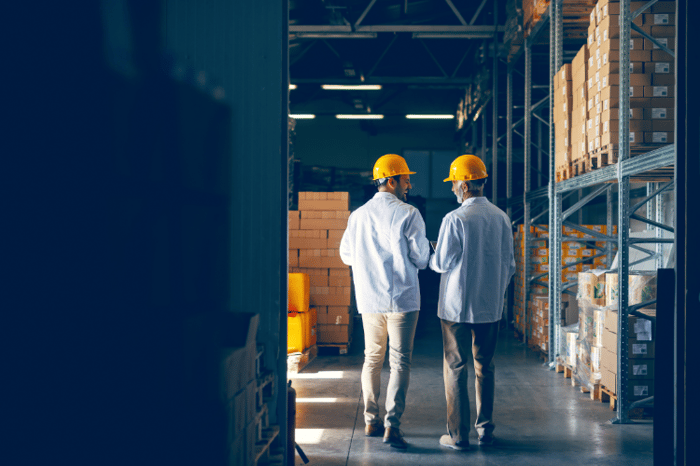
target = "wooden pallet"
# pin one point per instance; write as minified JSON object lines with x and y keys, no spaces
{"x":578,"y":167}
{"x":608,"y":395}
{"x":563,"y":173}
{"x":298,"y":361}
{"x":343,"y":348}
{"x":600,"y":159}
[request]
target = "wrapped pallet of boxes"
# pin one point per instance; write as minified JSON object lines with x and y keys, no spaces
{"x":323,"y":220}
{"x":640,"y":351}
{"x":642,"y":288}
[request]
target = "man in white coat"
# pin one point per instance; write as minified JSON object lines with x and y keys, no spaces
{"x":474,"y":254}
{"x":385,"y":244}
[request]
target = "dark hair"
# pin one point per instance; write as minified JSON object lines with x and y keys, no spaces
{"x":383,"y":181}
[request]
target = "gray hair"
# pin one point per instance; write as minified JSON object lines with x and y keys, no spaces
{"x":474,"y":185}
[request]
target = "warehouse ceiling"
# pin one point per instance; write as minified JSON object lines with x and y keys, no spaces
{"x":423,"y":53}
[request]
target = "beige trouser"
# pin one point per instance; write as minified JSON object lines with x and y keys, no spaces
{"x":400,"y":327}
{"x":458,"y":340}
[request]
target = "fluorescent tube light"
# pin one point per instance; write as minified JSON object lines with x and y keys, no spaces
{"x":292,"y":87}
{"x":430,"y":117}
{"x":368,"y":116}
{"x":351,"y":87}
{"x":303,"y":116}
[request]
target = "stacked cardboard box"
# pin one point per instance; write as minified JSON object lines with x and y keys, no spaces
{"x":579,"y":109}
{"x":640,"y":349}
{"x":651,"y":78}
{"x":538,"y":259}
{"x":313,"y":245}
{"x":562,"y":113}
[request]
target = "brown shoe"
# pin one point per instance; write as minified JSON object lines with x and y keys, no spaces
{"x":374,"y":430}
{"x":393,"y":437}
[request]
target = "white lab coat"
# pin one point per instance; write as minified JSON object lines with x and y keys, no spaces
{"x":385,"y":244}
{"x":475,"y":256}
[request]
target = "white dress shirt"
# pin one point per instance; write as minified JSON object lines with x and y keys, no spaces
{"x":385,"y":244}
{"x":475,"y":256}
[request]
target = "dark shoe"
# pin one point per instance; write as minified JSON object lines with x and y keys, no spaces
{"x":447,"y":441}
{"x":393,"y":437}
{"x":374,"y":430}
{"x":486,"y":439}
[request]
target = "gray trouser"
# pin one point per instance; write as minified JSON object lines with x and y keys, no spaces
{"x":458,"y":339}
{"x":400,"y":328}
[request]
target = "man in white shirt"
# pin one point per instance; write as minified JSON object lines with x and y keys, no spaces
{"x":385,"y":244}
{"x":475,"y":256}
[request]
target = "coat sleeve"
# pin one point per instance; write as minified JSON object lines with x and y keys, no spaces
{"x":418,"y":245}
{"x":449,"y":247}
{"x":508,"y":247}
{"x":347,"y":243}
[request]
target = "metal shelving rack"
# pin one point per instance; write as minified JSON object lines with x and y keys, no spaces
{"x":601,"y":182}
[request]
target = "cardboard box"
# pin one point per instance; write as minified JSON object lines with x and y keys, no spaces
{"x":293,"y":219}
{"x":608,"y":360}
{"x":323,"y":224}
{"x":320,"y":258}
{"x":608,"y":380}
{"x":592,"y":287}
{"x":334,"y":237}
{"x":293,"y":258}
{"x":322,"y":205}
{"x":308,"y":239}
{"x":659,"y":137}
{"x":668,"y":42}
{"x":658,"y":91}
{"x":335,"y":333}
{"x":330,"y":296}
{"x":339,"y":315}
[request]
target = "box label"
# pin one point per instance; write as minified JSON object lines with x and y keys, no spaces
{"x":641,"y":390}
{"x":639,"y":348}
{"x":662,"y":67}
{"x":660,"y":91}
{"x":639,"y":369}
{"x":642,"y":328}
{"x":661,"y":18}
{"x":661,"y":40}
{"x":658,"y":113}
{"x":659,"y":137}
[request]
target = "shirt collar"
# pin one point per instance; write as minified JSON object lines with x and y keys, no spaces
{"x":380,"y":194}
{"x":475,"y":200}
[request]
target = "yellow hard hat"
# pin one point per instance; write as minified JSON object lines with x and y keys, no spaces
{"x":467,"y":167}
{"x":390,"y":165}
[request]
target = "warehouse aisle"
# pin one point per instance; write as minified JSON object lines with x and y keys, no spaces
{"x":540,"y":418}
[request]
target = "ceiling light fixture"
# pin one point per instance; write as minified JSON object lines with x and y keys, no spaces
{"x":351,"y":87}
{"x":302,"y":116}
{"x":334,"y":35}
{"x":292,"y":86}
{"x":430,"y":117}
{"x":369,"y":116}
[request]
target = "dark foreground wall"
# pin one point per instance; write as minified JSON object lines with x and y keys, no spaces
{"x":144,"y":166}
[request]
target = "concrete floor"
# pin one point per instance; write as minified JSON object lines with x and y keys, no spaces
{"x":540,"y":418}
